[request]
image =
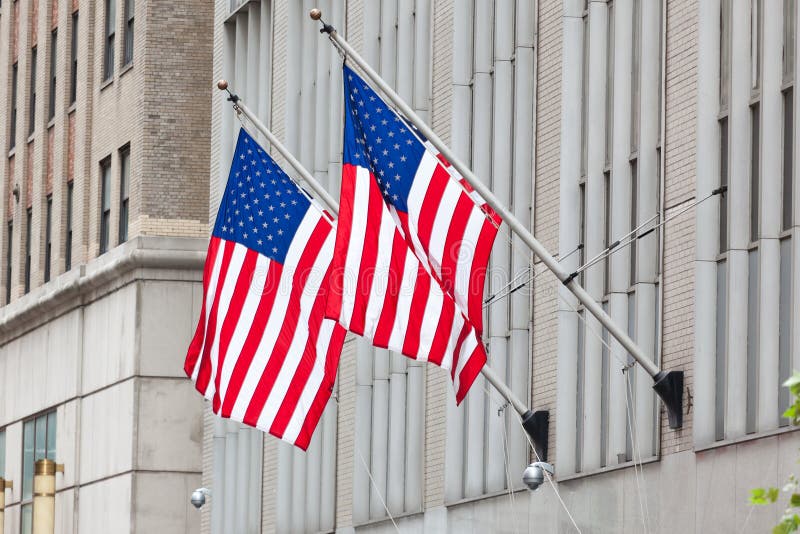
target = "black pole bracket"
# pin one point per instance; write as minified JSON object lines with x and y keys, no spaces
{"x":537,"y":424}
{"x":669,"y":387}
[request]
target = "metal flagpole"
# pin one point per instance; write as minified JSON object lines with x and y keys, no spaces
{"x":535,"y":423}
{"x":668,"y":384}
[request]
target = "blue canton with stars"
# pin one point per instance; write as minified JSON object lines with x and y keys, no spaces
{"x":375,"y":137}
{"x":261,"y":208}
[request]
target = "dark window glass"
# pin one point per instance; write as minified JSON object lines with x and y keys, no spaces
{"x":32,"y":117}
{"x":105,"y":203}
{"x":14,"y":79}
{"x":53,"y":57}
{"x":38,"y":442}
{"x":73,"y":82}
{"x":124,"y":185}
{"x":28,"y":230}
{"x":111,"y":16}
{"x":47,"y":238}
{"x":129,"y":9}
{"x":68,"y":238}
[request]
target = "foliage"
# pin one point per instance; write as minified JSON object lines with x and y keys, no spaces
{"x":790,"y":522}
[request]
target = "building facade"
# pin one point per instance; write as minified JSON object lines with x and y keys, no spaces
{"x":652,"y":146}
{"x":104,"y":121}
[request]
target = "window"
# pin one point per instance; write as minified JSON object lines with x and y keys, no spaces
{"x":111,"y":16}
{"x":38,"y":442}
{"x":14,"y":79}
{"x":32,"y":117}
{"x":607,"y":231}
{"x":789,"y":39}
{"x":724,"y":52}
{"x":28,"y":231}
{"x":68,"y":237}
{"x":610,"y":84}
{"x":721,"y":349}
{"x":785,"y":325}
{"x":124,"y":185}
{"x":73,"y":75}
{"x":756,"y":15}
{"x":9,"y":257}
{"x":53,"y":51}
{"x":105,"y":203}
{"x":128,"y":55}
{"x":755,"y":172}
{"x":636,"y":42}
{"x":47,"y":238}
{"x":582,"y":236}
{"x":788,"y":156}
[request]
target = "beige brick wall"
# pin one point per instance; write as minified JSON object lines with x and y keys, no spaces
{"x":679,"y":245}
{"x":546,"y":201}
{"x":159,"y":105}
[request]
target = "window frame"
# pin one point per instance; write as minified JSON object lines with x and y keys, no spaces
{"x":105,"y":205}
{"x":27,"y":503}
{"x":127,"y":56}
{"x":28,"y":247}
{"x":51,"y":111}
{"x":32,"y":94}
{"x":73,"y":90}
{"x":109,"y":44}
{"x":68,"y":227}
{"x":124,"y":192}
{"x":48,"y":241}
{"x":14,"y":108}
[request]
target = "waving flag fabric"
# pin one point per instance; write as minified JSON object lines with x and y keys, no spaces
{"x":449,"y":226}
{"x":263,"y":352}
{"x":385,"y":286}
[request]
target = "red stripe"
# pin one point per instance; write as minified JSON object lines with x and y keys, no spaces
{"x":376,"y":210}
{"x":231,"y":319}
{"x":197,"y":341}
{"x":443,"y":331}
{"x":453,"y":241}
{"x":394,"y":285}
{"x":465,"y":330}
{"x":204,"y":376}
{"x":344,"y":228}
{"x":251,"y":343}
{"x":287,"y":331}
{"x":303,"y":371}
{"x":325,"y":389}
{"x":477,"y":278}
{"x":430,"y":205}
{"x":470,"y":371}
{"x":418,"y":303}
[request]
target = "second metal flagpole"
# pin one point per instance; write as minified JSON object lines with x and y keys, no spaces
{"x":668,"y":384}
{"x":535,"y":423}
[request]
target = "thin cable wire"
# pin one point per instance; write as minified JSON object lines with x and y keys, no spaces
{"x":369,"y":473}
{"x":637,"y":469}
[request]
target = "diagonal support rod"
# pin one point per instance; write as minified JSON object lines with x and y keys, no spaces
{"x":666,"y":383}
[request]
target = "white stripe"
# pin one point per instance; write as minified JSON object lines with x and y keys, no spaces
{"x":381,"y":274}
{"x":406,"y":293}
{"x":358,"y":230}
{"x":212,"y":290}
{"x":467,"y":348}
{"x":419,"y":187}
{"x":245,"y":323}
{"x":276,"y":317}
{"x":296,"y":350}
{"x":465,"y":257}
{"x":458,"y":324}
{"x":430,"y":320}
{"x":441,"y":225}
{"x":312,"y":386}
{"x":228,"y":285}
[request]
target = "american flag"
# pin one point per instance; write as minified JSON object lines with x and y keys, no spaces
{"x":411,"y":244}
{"x":263,"y":352}
{"x":449,"y":226}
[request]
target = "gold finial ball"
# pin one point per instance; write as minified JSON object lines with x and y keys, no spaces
{"x":315,"y":14}
{"x":222,"y":85}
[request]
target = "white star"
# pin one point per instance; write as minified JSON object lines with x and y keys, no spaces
{"x":269,"y":237}
{"x":224,"y":228}
{"x":260,"y":242}
{"x":403,"y":158}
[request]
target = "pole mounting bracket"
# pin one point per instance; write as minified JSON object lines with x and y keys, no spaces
{"x":669,"y":387}
{"x":537,"y":425}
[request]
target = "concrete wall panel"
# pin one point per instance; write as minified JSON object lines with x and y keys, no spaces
{"x":167,"y":318}
{"x":105,"y":506}
{"x":108,"y":338}
{"x":161,"y":503}
{"x":107,"y":432}
{"x":170,"y":425}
